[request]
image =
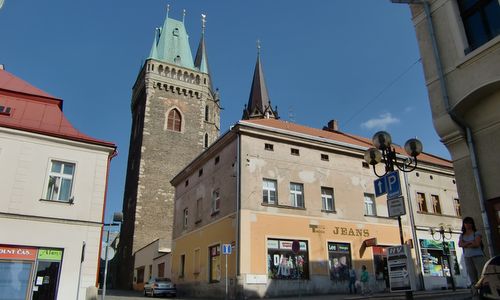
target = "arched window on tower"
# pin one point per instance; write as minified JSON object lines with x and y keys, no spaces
{"x":205,"y":143}
{"x":174,"y":120}
{"x":206,"y":113}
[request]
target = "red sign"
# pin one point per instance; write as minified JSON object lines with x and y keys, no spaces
{"x":371,"y":242}
{"x":20,"y":253}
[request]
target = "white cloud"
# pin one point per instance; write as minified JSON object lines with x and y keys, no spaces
{"x":381,"y":122}
{"x":408,"y":109}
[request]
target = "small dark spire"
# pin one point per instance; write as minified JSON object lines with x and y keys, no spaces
{"x":259,"y":105}
{"x":201,"y":59}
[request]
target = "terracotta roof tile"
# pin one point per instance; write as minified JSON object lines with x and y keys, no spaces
{"x":341,"y":137}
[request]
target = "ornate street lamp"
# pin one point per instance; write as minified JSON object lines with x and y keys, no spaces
{"x":441,"y":231}
{"x":384,"y":151}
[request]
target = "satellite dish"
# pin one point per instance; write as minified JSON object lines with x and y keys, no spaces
{"x":111,"y":251}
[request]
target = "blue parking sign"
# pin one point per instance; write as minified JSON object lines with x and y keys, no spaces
{"x":393,"y":185}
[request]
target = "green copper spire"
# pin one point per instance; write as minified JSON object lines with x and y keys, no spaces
{"x":173,"y":44}
{"x":153,"y":53}
{"x":201,"y":59}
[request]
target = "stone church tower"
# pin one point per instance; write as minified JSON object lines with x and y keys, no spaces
{"x":175,"y":116}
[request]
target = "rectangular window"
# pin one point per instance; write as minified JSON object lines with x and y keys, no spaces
{"x":436,"y":205}
{"x":325,"y":157}
{"x":15,"y":279}
{"x":60,"y":181}
{"x":196,"y":261}
{"x":200,"y":172}
{"x":215,"y":263}
{"x":339,"y":261}
{"x":269,"y":147}
{"x":161,"y":270}
{"x":327,"y":199}
{"x":296,"y":194}
{"x":456,"y":203}
{"x":199,"y":209}
{"x":370,"y":209}
{"x":185,"y":222}
{"x":294,"y":151}
{"x":269,"y":194}
{"x":435,"y":262}
{"x":182,"y":265}
{"x":283,"y":263}
{"x":481,"y":19}
{"x":422,"y":203}
{"x":217,"y":159}
{"x":215,"y":201}
{"x":365,"y":165}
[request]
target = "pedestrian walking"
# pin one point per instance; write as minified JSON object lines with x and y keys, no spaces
{"x":472,"y":244}
{"x":352,"y":281}
{"x":364,"y":278}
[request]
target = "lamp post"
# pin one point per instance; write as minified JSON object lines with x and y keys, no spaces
{"x":117,"y":219}
{"x":384,"y":151}
{"x":446,"y":248}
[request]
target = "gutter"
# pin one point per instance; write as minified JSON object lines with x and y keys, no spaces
{"x":462,"y":124}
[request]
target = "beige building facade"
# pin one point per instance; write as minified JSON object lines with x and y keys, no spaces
{"x":460,"y":48}
{"x":267,"y":183}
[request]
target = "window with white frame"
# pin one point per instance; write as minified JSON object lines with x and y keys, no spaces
{"x":370,"y":209}
{"x":327,"y":199}
{"x":296,"y":194}
{"x":269,"y":191}
{"x":60,"y":181}
{"x":185,"y":223}
{"x":215,"y":200}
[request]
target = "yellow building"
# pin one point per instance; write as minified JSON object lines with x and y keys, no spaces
{"x":267,"y":183}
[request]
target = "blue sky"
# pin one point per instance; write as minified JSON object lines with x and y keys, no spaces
{"x":353,"y":61}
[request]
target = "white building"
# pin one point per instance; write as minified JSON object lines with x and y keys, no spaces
{"x":52,"y":196}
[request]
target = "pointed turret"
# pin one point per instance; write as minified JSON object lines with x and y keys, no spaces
{"x":173,"y":44}
{"x":259,"y":105}
{"x":201,"y":59}
{"x":154,"y":53}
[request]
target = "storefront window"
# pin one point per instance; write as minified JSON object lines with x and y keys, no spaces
{"x":283,"y":263}
{"x":215,"y":267}
{"x":339,"y":260}
{"x":380,"y":263}
{"x":434,"y":261}
{"x":14,"y":280}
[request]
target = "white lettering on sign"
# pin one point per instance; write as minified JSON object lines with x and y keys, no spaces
{"x":15,"y":251}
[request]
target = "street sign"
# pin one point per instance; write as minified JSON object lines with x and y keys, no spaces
{"x":393,"y":185}
{"x":111,"y":253}
{"x":226,"y":249}
{"x":380,"y":186}
{"x":396,"y":206}
{"x":399,"y":264}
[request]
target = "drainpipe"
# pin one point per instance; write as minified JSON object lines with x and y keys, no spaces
{"x":238,"y":204}
{"x":460,"y":122}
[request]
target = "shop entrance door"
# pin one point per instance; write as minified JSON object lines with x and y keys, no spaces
{"x":45,"y":281}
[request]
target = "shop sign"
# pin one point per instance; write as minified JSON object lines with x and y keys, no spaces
{"x":338,"y":247}
{"x":273,"y":244}
{"x":50,"y":254}
{"x":20,"y":253}
{"x":438,"y":245}
{"x":351,"y":231}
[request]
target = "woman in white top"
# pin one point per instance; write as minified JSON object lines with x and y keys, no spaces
{"x":471,"y":242}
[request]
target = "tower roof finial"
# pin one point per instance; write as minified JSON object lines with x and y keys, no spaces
{"x":168,"y":9}
{"x":258,"y":46}
{"x":203,"y":23}
{"x":183,"y":15}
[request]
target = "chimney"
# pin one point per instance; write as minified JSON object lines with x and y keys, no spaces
{"x":333,"y":125}
{"x":2,"y":67}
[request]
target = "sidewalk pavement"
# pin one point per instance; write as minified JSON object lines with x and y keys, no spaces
{"x":459,"y":294}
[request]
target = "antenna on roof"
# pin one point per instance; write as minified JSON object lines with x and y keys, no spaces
{"x":183,"y":15}
{"x":203,"y":23}
{"x":291,"y":115}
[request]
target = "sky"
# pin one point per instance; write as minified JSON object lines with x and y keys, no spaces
{"x":355,"y":61}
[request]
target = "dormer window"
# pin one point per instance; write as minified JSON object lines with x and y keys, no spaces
{"x":177,"y":59}
{"x":176,"y":32}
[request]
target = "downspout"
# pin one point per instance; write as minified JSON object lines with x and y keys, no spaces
{"x":460,"y":122}
{"x":110,"y":157}
{"x":238,"y":204}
